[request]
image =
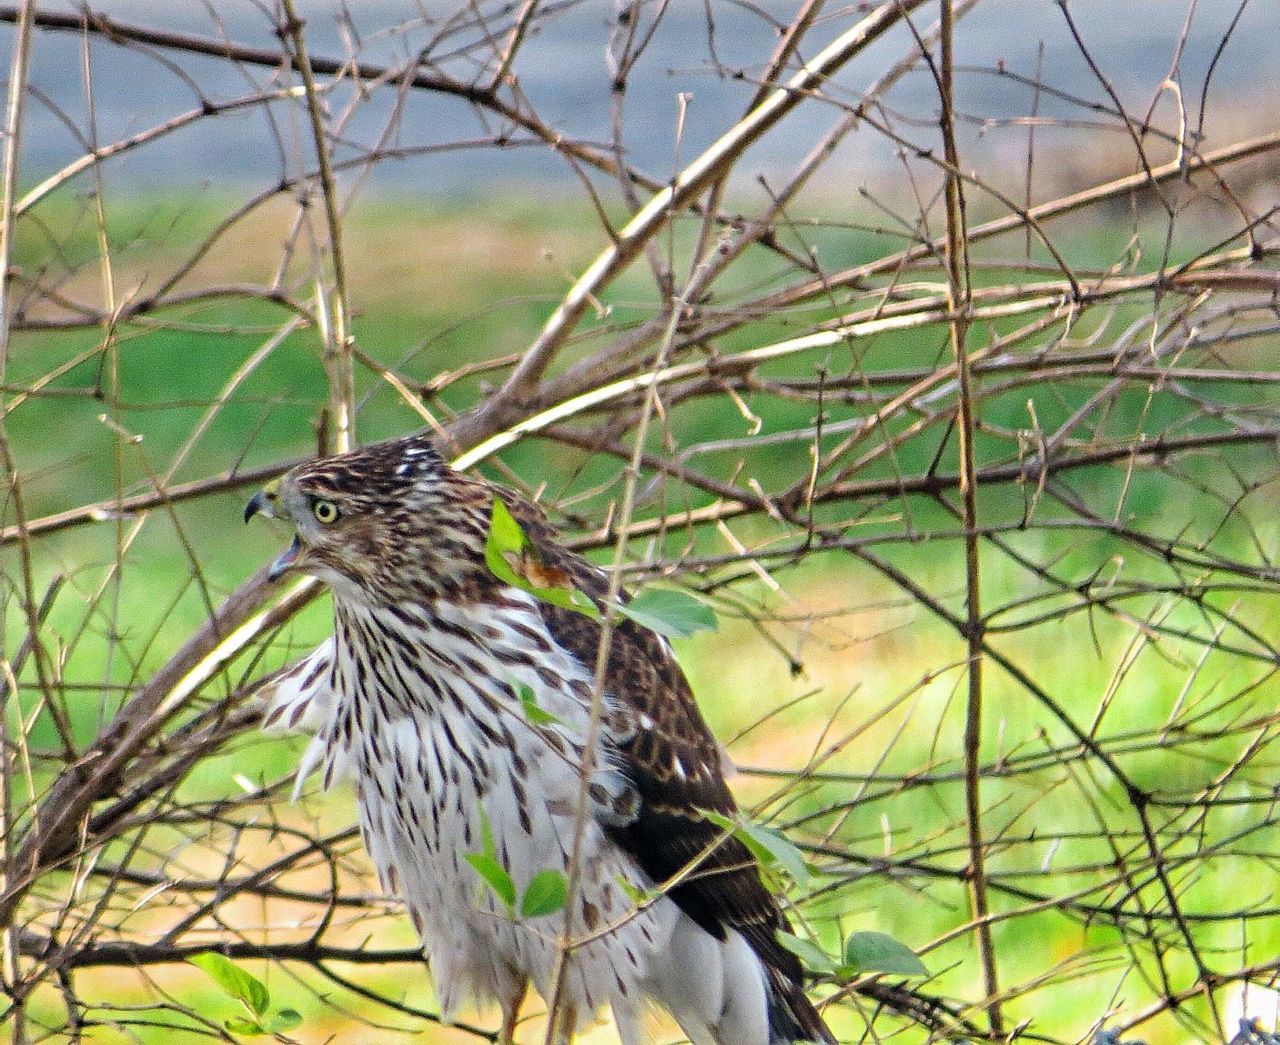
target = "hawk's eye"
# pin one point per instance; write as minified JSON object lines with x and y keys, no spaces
{"x":324,"y":511}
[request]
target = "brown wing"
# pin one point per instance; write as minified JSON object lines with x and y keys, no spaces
{"x":673,"y":762}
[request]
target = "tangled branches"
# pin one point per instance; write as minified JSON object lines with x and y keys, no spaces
{"x":977,"y":463}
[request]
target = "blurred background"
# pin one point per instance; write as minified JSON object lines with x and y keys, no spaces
{"x":1029,"y":733}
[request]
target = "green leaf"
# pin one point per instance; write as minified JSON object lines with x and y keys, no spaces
{"x":635,"y":894}
{"x":879,"y":952}
{"x":675,"y":614}
{"x":547,"y":893}
{"x":783,"y":853}
{"x":578,"y":600}
{"x":505,"y":535}
{"x":507,"y":543}
{"x":486,"y":835}
{"x":239,"y":1025}
{"x":285,"y":1019}
{"x":495,"y":876}
{"x":234,"y":981}
{"x":533,"y":711}
{"x":815,"y":959}
{"x":770,"y":847}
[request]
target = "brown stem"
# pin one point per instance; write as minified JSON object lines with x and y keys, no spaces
{"x":958,"y":294}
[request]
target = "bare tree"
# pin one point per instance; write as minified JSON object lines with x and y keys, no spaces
{"x":959,"y":404}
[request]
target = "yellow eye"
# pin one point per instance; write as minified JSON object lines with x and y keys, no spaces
{"x":324,"y":511}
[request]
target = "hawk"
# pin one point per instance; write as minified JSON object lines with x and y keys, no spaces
{"x":461,"y":707}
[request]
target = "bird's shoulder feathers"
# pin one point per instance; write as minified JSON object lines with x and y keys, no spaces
{"x":669,"y":755}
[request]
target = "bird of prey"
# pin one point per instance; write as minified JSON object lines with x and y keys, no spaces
{"x":461,"y":706}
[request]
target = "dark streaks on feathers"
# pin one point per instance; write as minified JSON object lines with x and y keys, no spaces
{"x":721,"y":886}
{"x":423,"y":545}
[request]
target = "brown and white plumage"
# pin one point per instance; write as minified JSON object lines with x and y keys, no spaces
{"x":416,"y":699}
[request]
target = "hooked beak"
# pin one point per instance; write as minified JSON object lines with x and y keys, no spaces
{"x":261,"y":503}
{"x":264,"y":501}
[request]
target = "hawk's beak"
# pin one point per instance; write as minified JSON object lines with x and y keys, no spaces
{"x":286,"y":560}
{"x":261,"y":503}
{"x":264,"y":503}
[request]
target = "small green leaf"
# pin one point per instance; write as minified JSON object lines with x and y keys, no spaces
{"x":285,"y":1019}
{"x":815,"y":959}
{"x":784,"y":854}
{"x":239,"y":1025}
{"x":505,"y":537}
{"x":635,"y":894}
{"x":879,"y":952}
{"x":533,"y":711}
{"x":506,"y":543}
{"x":486,"y":835}
{"x":578,"y":600}
{"x":495,"y":876}
{"x":234,"y":981}
{"x":725,"y":823}
{"x":565,"y":598}
{"x":766,"y":845}
{"x":547,"y":893}
{"x":675,"y":614}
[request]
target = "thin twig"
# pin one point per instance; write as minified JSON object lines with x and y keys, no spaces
{"x":958,"y":295}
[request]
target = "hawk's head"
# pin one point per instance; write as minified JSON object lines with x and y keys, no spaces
{"x":364,"y":520}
